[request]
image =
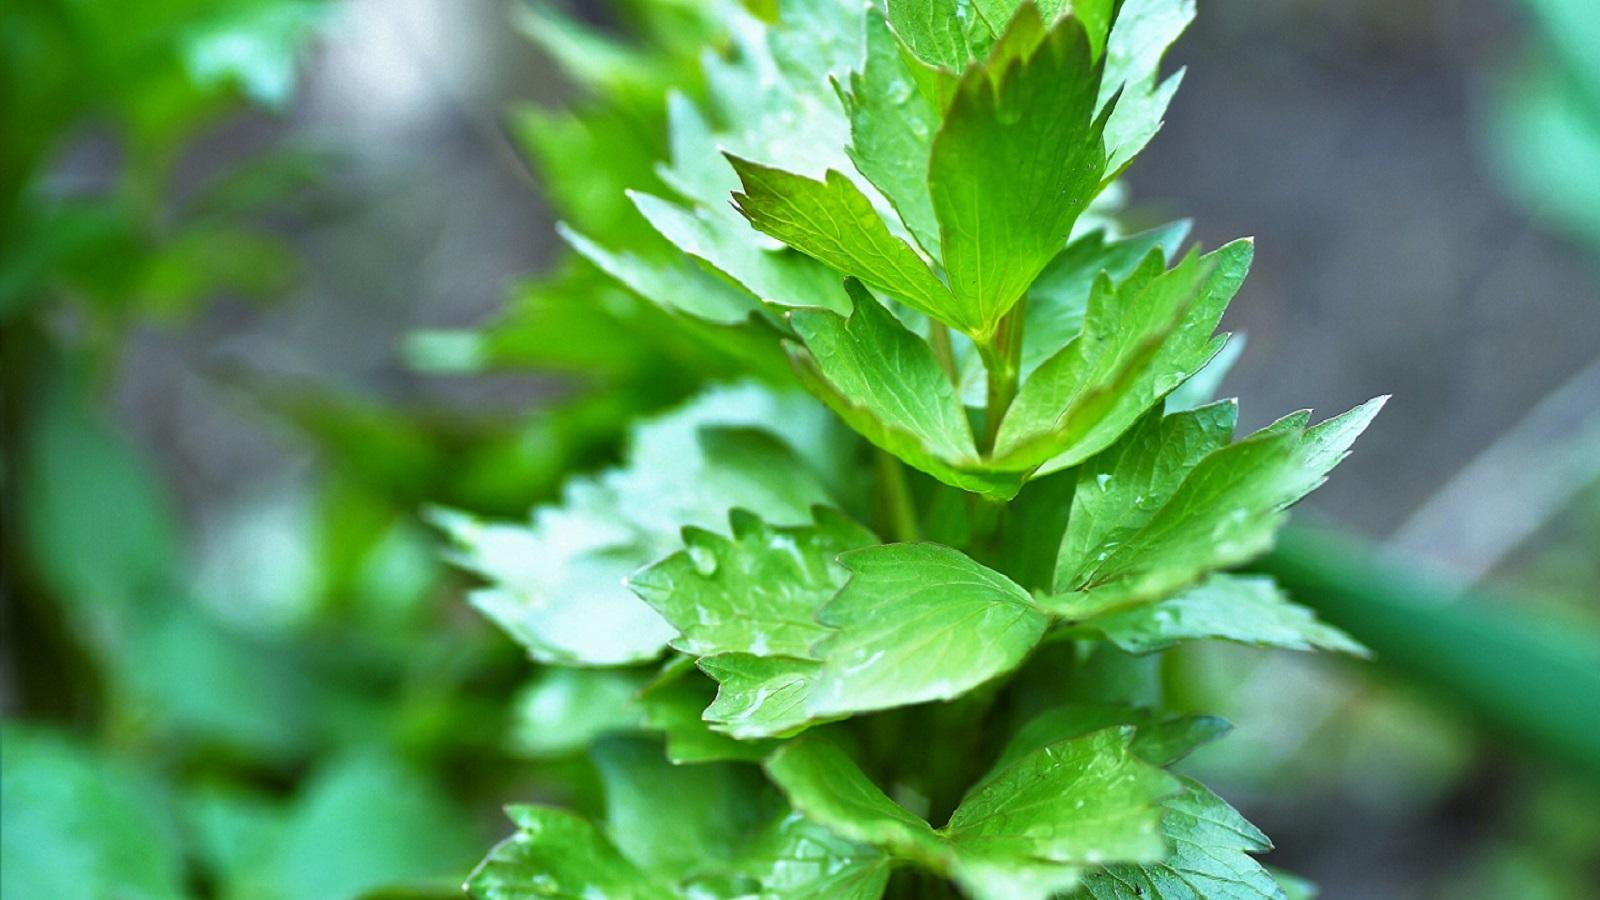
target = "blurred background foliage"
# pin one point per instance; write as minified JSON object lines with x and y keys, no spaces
{"x":279,"y":274}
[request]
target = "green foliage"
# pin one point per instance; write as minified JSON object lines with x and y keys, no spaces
{"x":78,"y":825}
{"x":888,"y":448}
{"x":150,"y":79}
{"x":900,"y":198}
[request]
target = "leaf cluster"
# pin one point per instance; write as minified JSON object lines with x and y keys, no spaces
{"x":894,"y":574}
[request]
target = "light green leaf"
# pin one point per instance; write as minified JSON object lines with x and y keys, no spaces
{"x":1248,"y":610}
{"x":557,"y":586}
{"x":1143,"y":31}
{"x":757,"y":592}
{"x":728,"y":244}
{"x":919,"y":622}
{"x":760,"y":696}
{"x":1121,"y":488}
{"x":698,"y":171}
{"x":1018,"y":158}
{"x":892,"y":124}
{"x":81,"y":826}
{"x":826,"y":786}
{"x":833,"y":221}
{"x":564,"y":710}
{"x":254,"y":46}
{"x":678,"y":286}
{"x":557,"y":854}
{"x":1141,"y":339}
{"x":1225,"y":512}
{"x":1210,"y":857}
{"x":884,"y":382}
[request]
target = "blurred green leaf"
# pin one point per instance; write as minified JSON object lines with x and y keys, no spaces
{"x":80,"y":825}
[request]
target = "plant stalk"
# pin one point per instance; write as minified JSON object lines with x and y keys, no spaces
{"x":1002,"y":359}
{"x":897,"y":495}
{"x":939,"y":339}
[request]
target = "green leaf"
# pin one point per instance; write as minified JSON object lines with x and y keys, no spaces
{"x":826,"y":786}
{"x":81,"y":826}
{"x":674,"y":707}
{"x":728,"y":244}
{"x":834,"y":222}
{"x":760,"y":696}
{"x":698,"y":171}
{"x":1085,"y":801}
{"x":676,"y":286}
{"x":1024,"y":832}
{"x":919,"y":622}
{"x":1018,"y":158}
{"x":892,"y":124}
{"x":1201,"y":388}
{"x":557,"y":854}
{"x":757,"y":592}
{"x":1141,"y":339}
{"x":1225,"y":512}
{"x":696,"y":831}
{"x":254,"y":46}
{"x":1143,"y":31}
{"x":1058,"y":298}
{"x":885,"y":383}
{"x":1244,"y":609}
{"x":797,"y":859}
{"x":1121,"y":488}
{"x":678,"y":821}
{"x":1294,"y":887}
{"x":1210,"y":857}
{"x":562,"y":711}
{"x":1156,"y":740}
{"x":944,"y":33}
{"x":410,"y":832}
{"x":557,"y":586}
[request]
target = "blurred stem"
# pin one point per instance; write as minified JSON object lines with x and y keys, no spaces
{"x":939,"y":338}
{"x":897,"y":494}
{"x":1528,"y":682}
{"x":1002,"y":359}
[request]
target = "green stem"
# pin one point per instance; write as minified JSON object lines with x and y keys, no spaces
{"x":939,"y":338}
{"x":897,"y":493}
{"x":1002,"y":358}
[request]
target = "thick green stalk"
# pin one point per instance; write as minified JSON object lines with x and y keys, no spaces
{"x":901,"y":506}
{"x":939,"y":338}
{"x":1002,"y":359}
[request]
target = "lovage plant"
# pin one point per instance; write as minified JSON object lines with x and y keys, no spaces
{"x":884,"y":619}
